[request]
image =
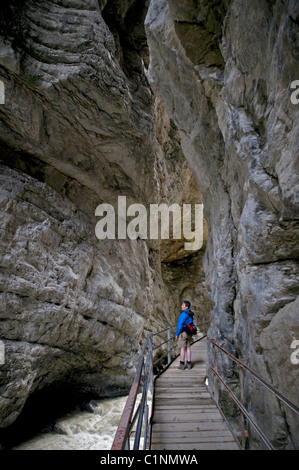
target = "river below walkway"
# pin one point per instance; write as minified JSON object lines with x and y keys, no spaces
{"x":81,"y":430}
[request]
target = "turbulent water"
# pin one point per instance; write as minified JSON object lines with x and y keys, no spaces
{"x":83,"y":430}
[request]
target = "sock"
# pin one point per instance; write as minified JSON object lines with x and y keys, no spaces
{"x":188,"y":362}
{"x":181,"y":362}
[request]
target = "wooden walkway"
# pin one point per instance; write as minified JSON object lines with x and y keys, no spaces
{"x":185,"y":415}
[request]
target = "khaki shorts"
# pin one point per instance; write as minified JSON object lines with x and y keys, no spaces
{"x":184,"y":340}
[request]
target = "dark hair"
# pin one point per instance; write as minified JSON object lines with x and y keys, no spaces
{"x":187,"y":303}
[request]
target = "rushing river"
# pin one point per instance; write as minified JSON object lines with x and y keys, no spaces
{"x":82,"y":430}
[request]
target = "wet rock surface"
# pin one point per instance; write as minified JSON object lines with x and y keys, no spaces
{"x":98,"y":106}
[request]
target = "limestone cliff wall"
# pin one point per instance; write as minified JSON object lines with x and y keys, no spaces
{"x":97,"y":106}
{"x":224,"y":70}
{"x":79,"y":128}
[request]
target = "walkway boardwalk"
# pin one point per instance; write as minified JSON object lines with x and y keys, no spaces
{"x":185,"y":415}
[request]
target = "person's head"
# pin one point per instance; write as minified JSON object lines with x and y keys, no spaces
{"x":186,"y":304}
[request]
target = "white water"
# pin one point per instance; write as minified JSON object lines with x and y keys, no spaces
{"x":84,"y":430}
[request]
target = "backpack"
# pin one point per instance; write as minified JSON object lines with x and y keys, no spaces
{"x":191,"y":328}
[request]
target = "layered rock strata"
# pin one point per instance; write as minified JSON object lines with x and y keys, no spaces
{"x":224,"y":70}
{"x":81,"y":126}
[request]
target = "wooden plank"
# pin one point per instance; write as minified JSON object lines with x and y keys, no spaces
{"x":172,"y":427}
{"x":201,"y":388}
{"x":197,"y":378}
{"x":177,"y":414}
{"x":195,"y":401}
{"x":184,"y":408}
{"x":195,"y":411}
{"x":183,"y":378}
{"x":195,"y":446}
{"x":171,"y":399}
{"x":179,"y":384}
{"x":193,"y":420}
{"x":185,"y":375}
{"x":204,"y":436}
{"x":181,"y":393}
{"x":168,"y":410}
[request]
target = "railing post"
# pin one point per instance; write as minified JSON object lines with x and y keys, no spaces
{"x":168,"y":345}
{"x":151,"y":365}
{"x":145,"y":426}
{"x":195,"y":323}
{"x":213,"y":341}
{"x":242,"y":402}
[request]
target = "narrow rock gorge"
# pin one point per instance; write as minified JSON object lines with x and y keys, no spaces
{"x":80,"y":127}
{"x":161,"y":101}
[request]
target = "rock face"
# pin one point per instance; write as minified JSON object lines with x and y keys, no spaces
{"x":224,"y":70}
{"x":90,"y":115}
{"x":78,"y":129}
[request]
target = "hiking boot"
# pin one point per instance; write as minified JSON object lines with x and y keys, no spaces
{"x":181,"y":366}
{"x":189,"y":365}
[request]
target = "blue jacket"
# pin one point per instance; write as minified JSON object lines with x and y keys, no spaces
{"x":186,"y":317}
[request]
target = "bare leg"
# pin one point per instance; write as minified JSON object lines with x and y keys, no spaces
{"x":182,"y":355}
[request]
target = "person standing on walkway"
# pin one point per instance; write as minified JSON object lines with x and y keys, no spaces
{"x":184,"y":340}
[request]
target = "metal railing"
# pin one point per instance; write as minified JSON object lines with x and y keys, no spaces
{"x":240,"y":402}
{"x":135,"y":422}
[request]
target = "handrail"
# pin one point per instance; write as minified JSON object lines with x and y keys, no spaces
{"x":144,"y":379}
{"x":240,"y":403}
{"x":122,"y":437}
